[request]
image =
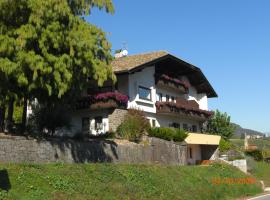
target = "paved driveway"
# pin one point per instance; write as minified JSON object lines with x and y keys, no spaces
{"x":263,"y":197}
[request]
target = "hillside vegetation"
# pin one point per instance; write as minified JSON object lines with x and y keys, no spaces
{"x":111,"y":181}
{"x":239,"y":131}
{"x":262,"y":143}
{"x":261,"y":170}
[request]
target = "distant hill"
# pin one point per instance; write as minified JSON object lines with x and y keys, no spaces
{"x":239,"y":130}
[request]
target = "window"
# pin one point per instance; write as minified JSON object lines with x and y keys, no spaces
{"x":194,"y":128}
{"x":145,"y":93}
{"x":172,"y":98}
{"x":153,"y":123}
{"x":175,"y":125}
{"x":190,"y":153}
{"x":159,"y":96}
{"x":167,"y":98}
{"x":185,"y":127}
{"x":98,"y":123}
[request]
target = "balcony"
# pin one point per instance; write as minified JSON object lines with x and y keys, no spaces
{"x":165,"y":81}
{"x":183,"y":107}
{"x":107,"y":100}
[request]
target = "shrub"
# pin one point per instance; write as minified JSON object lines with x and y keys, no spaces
{"x":134,"y":125}
{"x":256,"y":154}
{"x":50,"y":118}
{"x":180,"y":135}
{"x":224,"y":145}
{"x":162,"y":133}
{"x":177,"y":135}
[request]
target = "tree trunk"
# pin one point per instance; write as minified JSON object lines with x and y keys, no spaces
{"x":10,"y":115}
{"x":2,"y":118}
{"x":24,"y":115}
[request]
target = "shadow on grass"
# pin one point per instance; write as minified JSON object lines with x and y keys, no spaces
{"x":4,"y":180}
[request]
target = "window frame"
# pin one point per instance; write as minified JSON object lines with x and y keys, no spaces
{"x":98,"y":124}
{"x":145,"y":88}
{"x":185,"y":126}
{"x":194,"y":128}
{"x":160,"y":96}
{"x":154,"y":124}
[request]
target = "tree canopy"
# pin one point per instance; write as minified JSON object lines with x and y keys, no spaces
{"x":83,"y":7}
{"x":47,"y":50}
{"x":220,"y":124}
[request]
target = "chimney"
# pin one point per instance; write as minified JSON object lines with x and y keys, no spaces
{"x":120,"y":53}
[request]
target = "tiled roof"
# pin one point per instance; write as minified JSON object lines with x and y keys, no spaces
{"x":129,"y":62}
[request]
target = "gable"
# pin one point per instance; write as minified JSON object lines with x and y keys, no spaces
{"x":167,"y":64}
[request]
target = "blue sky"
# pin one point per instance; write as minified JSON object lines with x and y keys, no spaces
{"x":229,"y":40}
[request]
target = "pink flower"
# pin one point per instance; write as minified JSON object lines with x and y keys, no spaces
{"x":121,"y":98}
{"x":175,"y":81}
{"x":184,"y":107}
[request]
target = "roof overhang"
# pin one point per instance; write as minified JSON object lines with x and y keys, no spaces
{"x":202,"y":139}
{"x":200,"y":81}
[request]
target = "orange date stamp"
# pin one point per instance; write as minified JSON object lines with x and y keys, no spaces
{"x":233,"y":181}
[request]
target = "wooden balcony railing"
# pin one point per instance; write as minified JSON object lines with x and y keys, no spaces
{"x":183,"y":107}
{"x":103,"y":101}
{"x":164,"y":80}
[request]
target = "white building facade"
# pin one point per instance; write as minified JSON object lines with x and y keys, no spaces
{"x":171,"y":92}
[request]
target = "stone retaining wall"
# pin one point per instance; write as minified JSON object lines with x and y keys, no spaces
{"x":153,"y":150}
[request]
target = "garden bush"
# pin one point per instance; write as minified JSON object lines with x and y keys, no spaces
{"x":134,"y":125}
{"x":256,"y":154}
{"x":175,"y":134}
{"x":224,"y":145}
{"x":162,"y":133}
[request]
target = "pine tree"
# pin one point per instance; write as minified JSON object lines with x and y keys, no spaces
{"x":47,"y":51}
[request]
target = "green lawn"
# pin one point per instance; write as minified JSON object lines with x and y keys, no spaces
{"x":261,"y":170}
{"x":112,"y":181}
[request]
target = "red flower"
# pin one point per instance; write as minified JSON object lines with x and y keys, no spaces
{"x":175,"y":81}
{"x":121,"y":98}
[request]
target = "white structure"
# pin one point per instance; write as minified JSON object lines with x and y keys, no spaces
{"x":171,"y":92}
{"x":255,"y":136}
{"x":151,"y":78}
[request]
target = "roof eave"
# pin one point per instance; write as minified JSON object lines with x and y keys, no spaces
{"x":213,"y":93}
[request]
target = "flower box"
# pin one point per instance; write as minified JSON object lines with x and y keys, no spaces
{"x":174,"y":83}
{"x":188,"y":108}
{"x":103,"y":101}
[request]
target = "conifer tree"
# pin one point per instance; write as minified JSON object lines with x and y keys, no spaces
{"x":48,"y":51}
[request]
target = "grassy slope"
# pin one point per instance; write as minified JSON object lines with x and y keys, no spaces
{"x":261,"y":171}
{"x":110,"y":181}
